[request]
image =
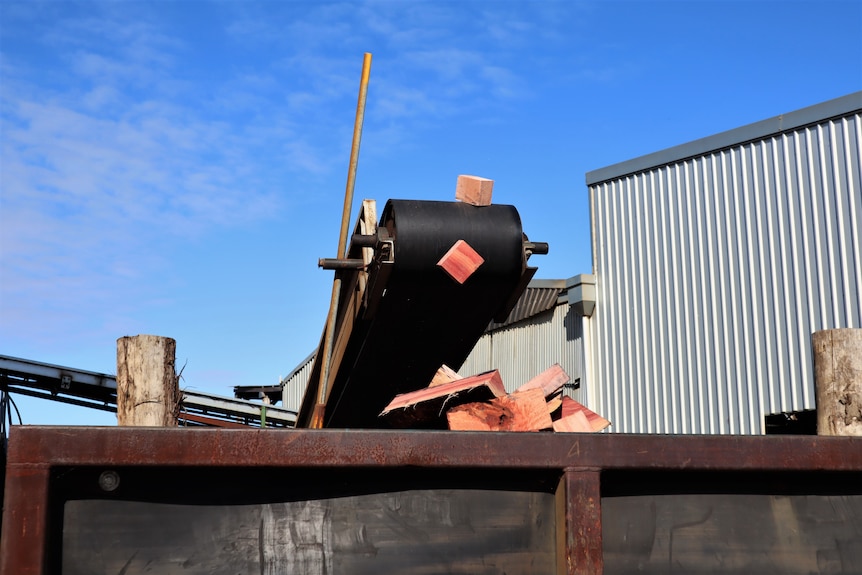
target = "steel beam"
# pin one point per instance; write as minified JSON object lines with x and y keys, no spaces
{"x":439,"y":449}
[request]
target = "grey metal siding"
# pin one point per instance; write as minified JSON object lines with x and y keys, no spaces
{"x":712,"y":272}
{"x":524,"y":349}
{"x":293,"y":386}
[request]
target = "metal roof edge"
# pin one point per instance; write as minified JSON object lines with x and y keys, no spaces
{"x":547,"y":284}
{"x":782,"y":123}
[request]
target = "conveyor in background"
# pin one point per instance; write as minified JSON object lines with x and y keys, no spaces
{"x":400,"y":316}
{"x":99,"y":391}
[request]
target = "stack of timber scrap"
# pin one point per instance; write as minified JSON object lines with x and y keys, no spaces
{"x":480,"y":403}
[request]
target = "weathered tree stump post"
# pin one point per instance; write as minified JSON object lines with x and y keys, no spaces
{"x":838,"y":381}
{"x":147,"y":389}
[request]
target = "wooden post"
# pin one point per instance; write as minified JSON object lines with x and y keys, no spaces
{"x":838,"y":381}
{"x":147,"y":389}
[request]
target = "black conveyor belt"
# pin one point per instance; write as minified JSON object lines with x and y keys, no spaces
{"x":425,"y":318}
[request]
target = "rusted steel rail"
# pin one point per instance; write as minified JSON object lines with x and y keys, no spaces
{"x":580,"y":469}
{"x":60,"y":446}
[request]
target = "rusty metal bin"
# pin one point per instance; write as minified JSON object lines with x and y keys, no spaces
{"x":133,"y":500}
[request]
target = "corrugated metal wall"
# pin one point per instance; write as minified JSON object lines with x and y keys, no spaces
{"x":524,"y":349}
{"x":713,"y":271}
{"x":293,"y":386}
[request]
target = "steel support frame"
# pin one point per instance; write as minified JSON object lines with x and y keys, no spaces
{"x":580,"y":460}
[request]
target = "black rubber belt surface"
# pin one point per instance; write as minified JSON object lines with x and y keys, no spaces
{"x":426,"y":318}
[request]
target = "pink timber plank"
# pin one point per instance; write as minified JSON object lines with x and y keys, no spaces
{"x":550,"y":381}
{"x":570,"y":407}
{"x":576,"y":422}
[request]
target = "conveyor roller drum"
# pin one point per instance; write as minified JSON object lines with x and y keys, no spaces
{"x":415,"y":315}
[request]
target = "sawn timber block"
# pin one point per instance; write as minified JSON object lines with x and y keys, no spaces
{"x":474,"y":190}
{"x":461,"y":261}
{"x":445,"y":374}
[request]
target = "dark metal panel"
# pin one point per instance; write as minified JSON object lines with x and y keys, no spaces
{"x":712,"y":533}
{"x":458,"y":531}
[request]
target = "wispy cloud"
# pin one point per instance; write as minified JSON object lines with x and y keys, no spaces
{"x":440,"y":58}
{"x":103,"y":167}
{"x":120,"y":137}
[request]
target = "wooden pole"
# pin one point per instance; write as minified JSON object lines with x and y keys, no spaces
{"x":147,"y":389}
{"x":329,"y":330}
{"x":838,"y":381}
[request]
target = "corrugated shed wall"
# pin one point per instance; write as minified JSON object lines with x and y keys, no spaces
{"x":293,"y":386}
{"x":713,"y":271}
{"x":526,"y":348}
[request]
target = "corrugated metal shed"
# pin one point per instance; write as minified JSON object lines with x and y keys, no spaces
{"x":294,"y":384}
{"x":543,"y":329}
{"x":714,"y":263}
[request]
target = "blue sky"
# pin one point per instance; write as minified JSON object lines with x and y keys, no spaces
{"x":178,"y":167}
